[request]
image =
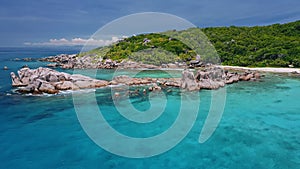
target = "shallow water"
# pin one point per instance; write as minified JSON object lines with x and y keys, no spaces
{"x":259,"y":129}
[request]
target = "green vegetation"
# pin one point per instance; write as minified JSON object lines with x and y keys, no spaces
{"x":276,"y":45}
{"x":147,"y":48}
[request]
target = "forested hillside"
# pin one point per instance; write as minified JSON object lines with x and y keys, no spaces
{"x":275,"y":45}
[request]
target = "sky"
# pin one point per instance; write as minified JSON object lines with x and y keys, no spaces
{"x":72,"y":22}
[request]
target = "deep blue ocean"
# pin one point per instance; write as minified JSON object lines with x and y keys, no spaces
{"x":260,"y":126}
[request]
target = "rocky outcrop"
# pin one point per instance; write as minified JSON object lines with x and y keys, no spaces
{"x":91,"y":62}
{"x":66,"y":61}
{"x":16,"y":82}
{"x":210,"y":78}
{"x":188,"y":81}
{"x":75,"y":62}
{"x":123,"y":79}
{"x":213,"y":78}
{"x":45,"y":80}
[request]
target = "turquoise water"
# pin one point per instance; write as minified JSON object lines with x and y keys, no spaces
{"x":259,"y":129}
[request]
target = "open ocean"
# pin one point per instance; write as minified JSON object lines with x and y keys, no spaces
{"x":260,"y":126}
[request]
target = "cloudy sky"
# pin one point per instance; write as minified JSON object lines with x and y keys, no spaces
{"x":53,"y":22}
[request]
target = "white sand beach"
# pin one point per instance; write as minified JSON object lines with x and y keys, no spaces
{"x":265,"y":69}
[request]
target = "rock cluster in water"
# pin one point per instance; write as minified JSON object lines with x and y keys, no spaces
{"x":213,"y":78}
{"x":86,"y":62}
{"x":46,"y":80}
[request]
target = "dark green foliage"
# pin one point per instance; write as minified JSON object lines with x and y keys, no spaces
{"x":147,"y":42}
{"x":156,"y":56}
{"x":198,"y":41}
{"x":276,"y":45}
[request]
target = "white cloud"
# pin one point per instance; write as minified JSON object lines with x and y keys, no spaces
{"x":75,"y":42}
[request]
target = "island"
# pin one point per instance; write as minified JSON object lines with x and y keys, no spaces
{"x":243,"y":53}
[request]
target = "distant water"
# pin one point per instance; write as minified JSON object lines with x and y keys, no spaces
{"x":259,"y":129}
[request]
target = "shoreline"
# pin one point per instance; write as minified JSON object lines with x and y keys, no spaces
{"x":46,"y":80}
{"x":67,"y":61}
{"x":264,"y":69}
